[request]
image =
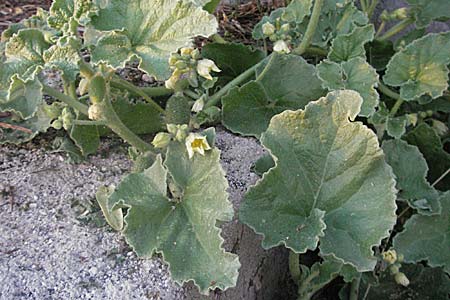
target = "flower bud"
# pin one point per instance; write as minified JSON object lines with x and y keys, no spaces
{"x":401,"y":13}
{"x":186,"y":51}
{"x":268,"y":29}
{"x":395,"y":268}
{"x":389,"y":256}
{"x":95,"y":112}
{"x":285,"y":27}
{"x":161,"y":140}
{"x":57,"y":124}
{"x":198,"y":105}
{"x":181,"y":65}
{"x":195,"y":54}
{"x":401,"y":279}
{"x":281,"y":47}
{"x":440,"y":127}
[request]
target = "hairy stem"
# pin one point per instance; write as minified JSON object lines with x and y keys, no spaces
{"x":214,"y":100}
{"x":113,"y":121}
{"x":120,"y":83}
{"x":89,"y":123}
{"x":305,"y":284}
{"x":354,"y":289}
{"x":191,"y":94}
{"x":396,"y":29}
{"x":156,"y":91}
{"x":396,"y":107}
{"x":66,"y":99}
{"x":363,"y":5}
{"x":311,"y":29}
{"x":387,"y":91}
{"x":294,"y":266}
{"x":371,"y":8}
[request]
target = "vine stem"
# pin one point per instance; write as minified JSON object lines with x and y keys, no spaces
{"x":396,"y":29}
{"x":311,"y":29}
{"x":396,"y":107}
{"x":380,"y":29}
{"x":89,"y":123}
{"x":302,"y":294}
{"x":294,"y":266}
{"x":363,"y":5}
{"x":66,"y":99}
{"x":354,"y":289}
{"x":113,"y":121}
{"x":440,"y":178}
{"x":156,"y":91}
{"x":371,"y":8}
{"x":390,"y":93}
{"x":123,"y":84}
{"x":214,"y":100}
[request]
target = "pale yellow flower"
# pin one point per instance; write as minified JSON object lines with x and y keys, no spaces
{"x":281,"y":47}
{"x":204,"y":68}
{"x":198,"y":105}
{"x":268,"y":29}
{"x":389,"y":256}
{"x":196,"y":143}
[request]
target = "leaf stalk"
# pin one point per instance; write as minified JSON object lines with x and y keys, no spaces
{"x":66,"y":99}
{"x":311,"y":29}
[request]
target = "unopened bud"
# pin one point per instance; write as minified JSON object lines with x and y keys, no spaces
{"x":268,"y":29}
{"x":401,"y":279}
{"x":161,"y":140}
{"x":94,"y":112}
{"x":389,"y":256}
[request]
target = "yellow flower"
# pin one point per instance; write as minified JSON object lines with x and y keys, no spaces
{"x":205,"y":66}
{"x":268,"y":29}
{"x":389,"y":256}
{"x":186,"y":51}
{"x":198,"y":105}
{"x":196,"y":143}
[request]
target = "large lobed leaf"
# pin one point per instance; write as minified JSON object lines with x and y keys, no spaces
{"x":427,"y":237}
{"x":426,"y":11}
{"x":411,"y":177}
{"x":147,"y":29}
{"x":330,"y":183}
{"x":355,"y":74}
{"x":181,"y":226}
{"x":421,"y":67}
{"x":284,"y":82}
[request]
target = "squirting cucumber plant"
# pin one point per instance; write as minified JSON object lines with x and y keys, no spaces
{"x":356,"y":126}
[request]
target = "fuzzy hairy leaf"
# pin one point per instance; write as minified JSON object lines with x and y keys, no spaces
{"x":285,"y":82}
{"x":330,"y":183}
{"x":23,"y":97}
{"x":421,"y":68}
{"x":355,"y":74}
{"x":66,"y":15}
{"x":411,"y":177}
{"x":430,"y":145}
{"x":181,"y":226}
{"x":347,"y":46}
{"x":427,"y":237}
{"x":24,"y":130}
{"x":87,"y":138}
{"x":64,"y":58}
{"x":148,"y":30}
{"x":426,"y":11}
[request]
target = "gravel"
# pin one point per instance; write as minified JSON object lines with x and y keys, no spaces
{"x":53,"y":241}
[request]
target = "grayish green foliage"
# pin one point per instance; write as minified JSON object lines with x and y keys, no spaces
{"x":426,"y":11}
{"x":347,"y":46}
{"x":180,"y":225}
{"x":150,"y":31}
{"x":355,"y":74}
{"x":410,"y":169}
{"x":284,"y":82}
{"x":427,"y":237}
{"x":330,"y":183}
{"x":421,"y":68}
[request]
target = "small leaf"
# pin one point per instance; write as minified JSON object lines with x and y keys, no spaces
{"x":426,"y":11}
{"x":411,"y":177}
{"x":86,"y":138}
{"x":64,"y":58}
{"x":263,"y":165}
{"x":24,"y":130}
{"x":347,"y":46}
{"x":396,"y":126}
{"x":115,"y":217}
{"x":421,"y":68}
{"x":148,"y":31}
{"x":427,"y":237}
{"x":355,"y":74}
{"x":182,"y":226}
{"x":287,"y":82}
{"x":297,"y":10}
{"x":23,"y":98}
{"x":63,"y":13}
{"x":326,"y":164}
{"x":430,"y":145}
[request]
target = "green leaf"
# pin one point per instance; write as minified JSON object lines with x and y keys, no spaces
{"x":297,"y":10}
{"x":178,"y":110}
{"x":426,"y":11}
{"x":263,"y":165}
{"x":148,"y":31}
{"x":232,"y":59}
{"x":24,"y":53}
{"x":87,"y":138}
{"x":66,"y":15}
{"x":114,"y":218}
{"x":347,"y":46}
{"x":64,"y":58}
{"x":181,"y":226}
{"x":421,"y":68}
{"x":427,"y":237}
{"x":23,"y":98}
{"x":430,"y":145}
{"x":336,"y":18}
{"x":425,"y":284}
{"x":24,"y":130}
{"x":411,"y":177}
{"x":285,"y":82}
{"x":396,"y":126}
{"x":329,"y":171}
{"x":355,"y":74}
